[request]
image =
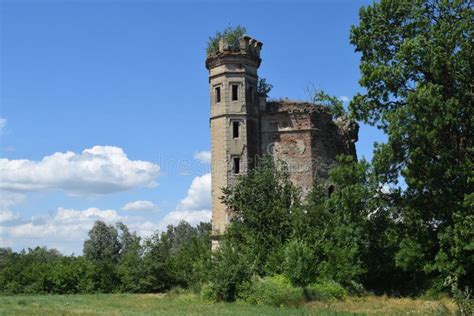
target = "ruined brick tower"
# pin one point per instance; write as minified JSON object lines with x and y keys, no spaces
{"x":244,"y":127}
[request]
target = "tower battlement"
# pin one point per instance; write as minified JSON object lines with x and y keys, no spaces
{"x":246,"y":48}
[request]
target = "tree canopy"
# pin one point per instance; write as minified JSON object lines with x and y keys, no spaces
{"x":417,"y":66}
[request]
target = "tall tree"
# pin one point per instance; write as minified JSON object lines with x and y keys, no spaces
{"x":417,"y":66}
{"x":130,"y":267}
{"x":262,"y":204}
{"x":102,"y":249}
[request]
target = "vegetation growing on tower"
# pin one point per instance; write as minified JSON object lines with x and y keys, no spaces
{"x":230,"y":34}
{"x":263,"y":88}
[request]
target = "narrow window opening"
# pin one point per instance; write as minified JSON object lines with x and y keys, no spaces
{"x":235,"y":90}
{"x":218,"y":94}
{"x":236,"y":165}
{"x":235,"y":129}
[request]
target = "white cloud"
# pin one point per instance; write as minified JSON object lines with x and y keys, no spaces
{"x":199,"y":194}
{"x":66,"y":229}
{"x":203,"y":156}
{"x":97,"y":170}
{"x":195,"y":207}
{"x":7,"y":200}
{"x":344,"y":98}
{"x":140,"y":206}
{"x":3,"y":123}
{"x":7,"y":216}
{"x":64,"y":223}
{"x":192,"y":217}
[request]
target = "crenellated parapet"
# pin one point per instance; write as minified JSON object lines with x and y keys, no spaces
{"x":245,"y":50}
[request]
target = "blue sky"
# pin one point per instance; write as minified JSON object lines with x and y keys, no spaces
{"x":105,"y":104}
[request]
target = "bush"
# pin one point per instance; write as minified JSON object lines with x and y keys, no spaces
{"x":208,"y":293}
{"x":464,"y":299}
{"x":231,"y":34}
{"x":229,"y":271}
{"x":276,"y":290}
{"x":326,"y":290}
{"x":298,"y":262}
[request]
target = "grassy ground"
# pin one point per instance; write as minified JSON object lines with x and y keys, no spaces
{"x":186,"y":304}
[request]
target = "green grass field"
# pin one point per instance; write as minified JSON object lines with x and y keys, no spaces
{"x":187,"y":304}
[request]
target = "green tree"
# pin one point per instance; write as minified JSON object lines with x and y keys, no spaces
{"x":333,"y":103}
{"x":334,"y":222}
{"x":262,"y":204}
{"x":130,"y":269}
{"x":179,"y":256}
{"x":102,"y":249}
{"x":231,"y":270}
{"x":28,"y":271}
{"x":417,"y":66}
{"x":263,"y":88}
{"x":299,"y":262}
{"x":72,"y":275}
{"x":190,"y":253}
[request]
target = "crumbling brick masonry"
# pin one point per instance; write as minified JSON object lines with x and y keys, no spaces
{"x":245,"y":127}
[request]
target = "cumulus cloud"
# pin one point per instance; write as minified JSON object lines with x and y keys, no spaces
{"x":192,"y":217}
{"x":64,"y":223}
{"x":97,"y":170}
{"x":199,"y":194}
{"x":7,"y":200}
{"x":140,"y":206}
{"x":66,"y":229}
{"x":203,"y":156}
{"x":195,"y":207}
{"x":106,"y":169}
{"x":7,"y":216}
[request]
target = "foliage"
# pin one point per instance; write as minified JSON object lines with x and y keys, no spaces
{"x":230,"y":34}
{"x":464,"y":298}
{"x":180,"y":256}
{"x":103,"y":243}
{"x":336,"y":224}
{"x":326,"y":290}
{"x":361,"y":229}
{"x":114,"y":260}
{"x":417,"y":69}
{"x":276,"y":291}
{"x":130,"y":269}
{"x":41,"y":270}
{"x":263,"y":88}
{"x":262,"y":205}
{"x":299,"y":262}
{"x":334,"y":104}
{"x":102,"y":249}
{"x":231,"y":269}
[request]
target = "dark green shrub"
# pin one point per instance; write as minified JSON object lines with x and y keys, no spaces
{"x":276,"y":290}
{"x":207,"y":292}
{"x":464,"y":299}
{"x":298,"y":262}
{"x":231,"y":268}
{"x":326,"y":290}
